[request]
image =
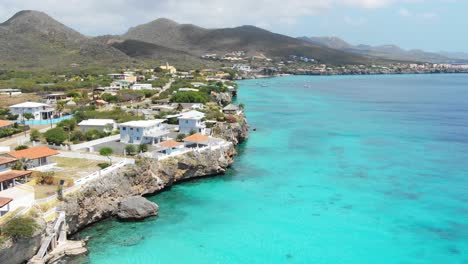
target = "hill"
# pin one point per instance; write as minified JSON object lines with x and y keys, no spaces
{"x":390,"y":52}
{"x":198,"y":41}
{"x":34,"y":39}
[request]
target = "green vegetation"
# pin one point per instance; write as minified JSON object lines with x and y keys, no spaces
{"x":6,"y":132}
{"x":68,"y":124}
{"x":142,"y":148}
{"x":21,"y":147}
{"x":180,"y":137}
{"x":119,"y":115}
{"x":104,"y":165}
{"x":107,"y":152}
{"x":55,"y":136}
{"x":190,"y":97}
{"x":130,"y":149}
{"x":20,"y":227}
{"x":34,"y":135}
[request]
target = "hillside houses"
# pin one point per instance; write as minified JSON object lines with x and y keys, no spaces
{"x":38,"y":111}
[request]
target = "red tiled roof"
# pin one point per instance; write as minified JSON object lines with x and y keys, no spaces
{"x":170,"y":144}
{"x":34,"y":153}
{"x":6,"y":160}
{"x":197,"y":138}
{"x":13,"y":174}
{"x":4,"y":123}
{"x":4,"y":201}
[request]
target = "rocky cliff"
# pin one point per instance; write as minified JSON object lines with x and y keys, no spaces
{"x":22,"y":249}
{"x":233,"y":132}
{"x":102,"y":197}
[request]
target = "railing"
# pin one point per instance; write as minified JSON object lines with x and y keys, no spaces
{"x":95,"y":142}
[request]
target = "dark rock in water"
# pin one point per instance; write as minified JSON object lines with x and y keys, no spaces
{"x":136,"y":208}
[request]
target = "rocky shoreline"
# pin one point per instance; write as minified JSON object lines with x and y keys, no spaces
{"x":103,"y":198}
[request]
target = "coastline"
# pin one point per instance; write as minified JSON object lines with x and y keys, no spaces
{"x":255,"y":76}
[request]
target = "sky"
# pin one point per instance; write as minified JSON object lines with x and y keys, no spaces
{"x":431,"y":25}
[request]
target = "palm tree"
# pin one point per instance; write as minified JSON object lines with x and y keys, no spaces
{"x":59,"y":107}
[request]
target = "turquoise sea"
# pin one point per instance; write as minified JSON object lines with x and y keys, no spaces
{"x":341,"y":169}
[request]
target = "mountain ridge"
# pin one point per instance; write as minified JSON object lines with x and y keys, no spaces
{"x":388,"y":51}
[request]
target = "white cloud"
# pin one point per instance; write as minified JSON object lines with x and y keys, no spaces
{"x":116,"y":16}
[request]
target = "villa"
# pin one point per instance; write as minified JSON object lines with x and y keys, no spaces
{"x":191,"y":121}
{"x":105,"y":125}
{"x":39,"y":111}
{"x":35,"y":156}
{"x":196,"y":140}
{"x":8,"y":176}
{"x":143,"y":132}
{"x":170,"y":146}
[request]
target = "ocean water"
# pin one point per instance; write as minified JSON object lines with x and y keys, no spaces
{"x":342,"y":169}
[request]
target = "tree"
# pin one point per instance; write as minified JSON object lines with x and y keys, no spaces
{"x":55,"y":136}
{"x":130,"y":149}
{"x":179,"y":107}
{"x":59,"y":107}
{"x":28,"y":116}
{"x":106,"y":151}
{"x":241,"y":106}
{"x":180,"y":137}
{"x":34,"y":135}
{"x":142,"y":148}
{"x":192,"y":132}
{"x":69,"y":124}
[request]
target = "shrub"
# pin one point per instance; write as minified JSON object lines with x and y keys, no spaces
{"x":34,"y":135}
{"x":190,"y":97}
{"x":180,"y":136}
{"x":142,"y":148}
{"x":103,"y":165}
{"x":130,"y":149}
{"x":20,"y":227}
{"x":20,"y":147}
{"x":231,"y":119}
{"x":55,"y":136}
{"x":68,"y":124}
{"x":94,"y":134}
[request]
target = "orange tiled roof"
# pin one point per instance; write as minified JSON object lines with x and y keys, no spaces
{"x":34,"y":153}
{"x":4,"y":123}
{"x":4,"y":201}
{"x":196,"y":138}
{"x":13,"y":174}
{"x":6,"y":160}
{"x":170,"y":144}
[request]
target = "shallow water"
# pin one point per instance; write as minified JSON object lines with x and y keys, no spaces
{"x":345,"y":169}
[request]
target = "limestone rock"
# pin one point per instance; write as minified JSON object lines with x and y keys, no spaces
{"x":136,"y":207}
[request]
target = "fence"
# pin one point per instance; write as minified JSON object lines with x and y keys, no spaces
{"x":94,"y":142}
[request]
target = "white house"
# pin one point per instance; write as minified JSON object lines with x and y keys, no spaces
{"x":191,"y":121}
{"x":39,"y":111}
{"x":242,"y":67}
{"x":106,"y":125}
{"x":142,"y":86}
{"x":143,"y":131}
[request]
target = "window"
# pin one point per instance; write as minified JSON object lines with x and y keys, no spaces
{"x":131,"y":128}
{"x":186,"y":121}
{"x":138,"y":138}
{"x":138,"y":130}
{"x":124,"y":128}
